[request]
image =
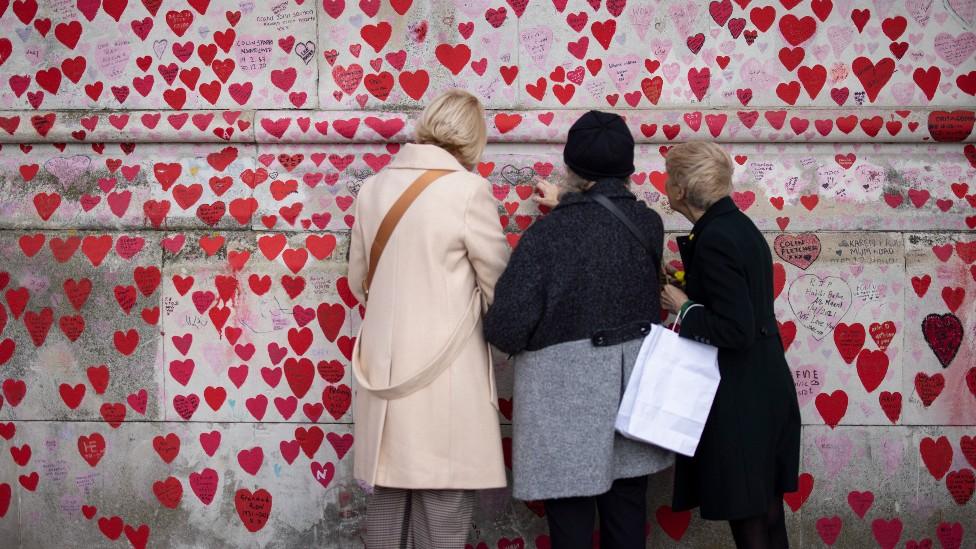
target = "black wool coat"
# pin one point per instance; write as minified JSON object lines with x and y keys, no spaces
{"x":749,"y":452}
{"x":579,"y":271}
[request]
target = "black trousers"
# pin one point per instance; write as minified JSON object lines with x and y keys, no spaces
{"x":623,"y":512}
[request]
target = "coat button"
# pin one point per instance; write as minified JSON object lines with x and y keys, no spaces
{"x":644,"y":330}
{"x":599,"y":340}
{"x":764,"y":331}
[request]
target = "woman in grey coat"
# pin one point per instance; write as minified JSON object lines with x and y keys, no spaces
{"x":580,"y":292}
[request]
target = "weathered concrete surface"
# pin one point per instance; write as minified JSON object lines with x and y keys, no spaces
{"x":917,"y":125}
{"x":261,"y":332}
{"x":528,"y":55}
{"x":840,"y":302}
{"x":863,"y":475}
{"x":881,"y":170}
{"x":82,"y":325}
{"x":241,"y":65}
{"x":409,"y":72}
{"x":312,"y":187}
{"x":132,"y":186}
{"x":940,"y":319}
{"x":122,"y":484}
{"x":330,"y":516}
{"x":159,"y":126}
{"x":647,"y":126}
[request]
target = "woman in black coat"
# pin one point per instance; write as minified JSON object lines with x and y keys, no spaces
{"x":749,"y":452}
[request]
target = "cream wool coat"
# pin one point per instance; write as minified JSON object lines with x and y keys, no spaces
{"x":446,"y":246}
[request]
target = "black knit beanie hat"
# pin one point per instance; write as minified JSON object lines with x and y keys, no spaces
{"x":600,"y":145}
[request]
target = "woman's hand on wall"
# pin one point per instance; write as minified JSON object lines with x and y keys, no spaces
{"x":548,"y":193}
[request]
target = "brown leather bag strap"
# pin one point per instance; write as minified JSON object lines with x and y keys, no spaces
{"x":393,"y":217}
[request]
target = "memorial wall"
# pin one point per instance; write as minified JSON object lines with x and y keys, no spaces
{"x":178,"y":181}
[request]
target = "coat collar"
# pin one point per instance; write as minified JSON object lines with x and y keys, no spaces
{"x":610,"y":188}
{"x":416,"y":156}
{"x":686,"y":244}
{"x":721,"y":207}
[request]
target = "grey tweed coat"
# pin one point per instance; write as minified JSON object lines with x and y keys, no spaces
{"x":565,"y":402}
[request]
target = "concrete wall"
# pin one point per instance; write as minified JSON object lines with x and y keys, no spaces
{"x":176,"y":187}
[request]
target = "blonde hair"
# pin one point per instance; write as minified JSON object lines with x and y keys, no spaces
{"x":455,"y":122}
{"x":703,"y":169}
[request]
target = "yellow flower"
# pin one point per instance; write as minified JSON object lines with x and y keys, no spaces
{"x":679,"y":275}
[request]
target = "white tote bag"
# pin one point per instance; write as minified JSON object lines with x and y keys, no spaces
{"x":670,"y":391}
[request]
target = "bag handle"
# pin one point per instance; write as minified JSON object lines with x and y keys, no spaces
{"x":393,"y":216}
{"x":619,"y":214}
{"x":681,"y":317}
{"x":444,"y":358}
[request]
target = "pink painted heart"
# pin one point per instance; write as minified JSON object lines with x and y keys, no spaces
{"x":955,"y":50}
{"x":808,"y":380}
{"x":836,"y":450}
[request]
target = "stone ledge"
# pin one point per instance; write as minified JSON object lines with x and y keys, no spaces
{"x":793,"y":125}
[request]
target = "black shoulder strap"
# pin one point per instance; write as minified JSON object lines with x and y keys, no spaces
{"x":641,"y":237}
{"x":619,"y":214}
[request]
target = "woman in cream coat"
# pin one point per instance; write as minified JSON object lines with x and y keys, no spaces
{"x":425,"y":442}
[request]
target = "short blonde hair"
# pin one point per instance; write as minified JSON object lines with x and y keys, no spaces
{"x":703,"y":169}
{"x":455,"y":122}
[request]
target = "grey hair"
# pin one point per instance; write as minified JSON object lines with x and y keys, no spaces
{"x":575,"y":183}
